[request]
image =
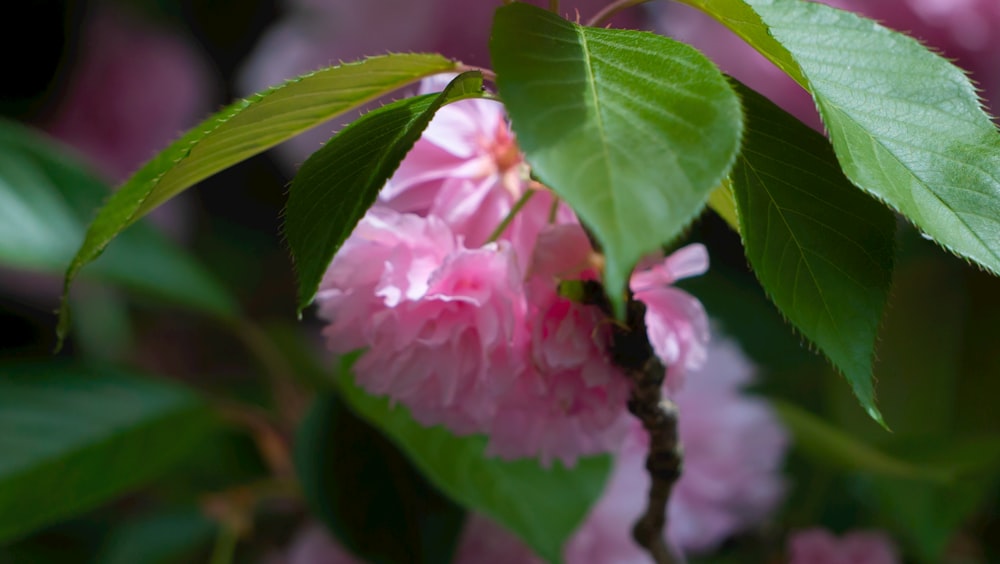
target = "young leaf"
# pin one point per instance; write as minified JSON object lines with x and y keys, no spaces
{"x":821,"y":249}
{"x":389,"y":512}
{"x":338,"y":183}
{"x":543,"y":506}
{"x":632,"y":129}
{"x":73,"y":437}
{"x":46,"y":198}
{"x":907,"y":125}
{"x":241,"y":131}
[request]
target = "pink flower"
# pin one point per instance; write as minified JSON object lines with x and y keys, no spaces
{"x":133,"y":89}
{"x":819,"y":546}
{"x":675,"y":320}
{"x":465,"y":169}
{"x":512,"y":359}
{"x":443,"y":323}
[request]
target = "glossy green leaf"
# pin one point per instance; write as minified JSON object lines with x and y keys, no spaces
{"x":367,"y":492}
{"x":74,"y":437}
{"x":46,"y":198}
{"x":338,"y":183}
{"x":243,"y":130}
{"x":906,"y":124}
{"x":632,"y":129}
{"x":830,"y":445}
{"x":543,"y":506}
{"x":821,"y":249}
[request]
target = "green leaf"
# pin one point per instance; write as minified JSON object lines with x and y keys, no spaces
{"x":46,"y":198}
{"x":821,"y":249}
{"x":906,"y":124}
{"x":338,"y":183}
{"x":241,"y":131}
{"x":74,"y":437}
{"x":927,"y":515}
{"x":830,"y":445}
{"x":632,"y":129}
{"x":368,"y":493}
{"x":543,"y":506}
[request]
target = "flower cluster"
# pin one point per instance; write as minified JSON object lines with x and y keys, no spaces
{"x":451,"y":284}
{"x":734,"y":448}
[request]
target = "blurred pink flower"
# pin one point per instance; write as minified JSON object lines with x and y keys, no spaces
{"x":734,"y":447}
{"x":819,"y":546}
{"x":313,"y":544}
{"x":133,"y":89}
{"x":967,"y":31}
{"x":484,"y":542}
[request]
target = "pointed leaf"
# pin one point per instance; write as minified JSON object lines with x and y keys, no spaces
{"x":543,"y":506}
{"x":821,"y":249}
{"x":243,"y":130}
{"x":73,"y":437}
{"x":46,"y":198}
{"x":906,"y":124}
{"x":632,"y":129}
{"x":830,"y":445}
{"x":338,"y":183}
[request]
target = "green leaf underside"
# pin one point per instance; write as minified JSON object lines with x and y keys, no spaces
{"x":46,"y":198}
{"x":907,"y":125}
{"x":632,"y":129}
{"x":543,"y":506}
{"x":338,"y":183}
{"x":822,"y":250}
{"x":73,"y":437}
{"x":243,"y":130}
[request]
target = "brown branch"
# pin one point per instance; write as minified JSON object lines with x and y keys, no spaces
{"x":631,"y":350}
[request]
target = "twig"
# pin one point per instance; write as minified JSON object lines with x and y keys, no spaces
{"x":610,"y":10}
{"x":631,"y":350}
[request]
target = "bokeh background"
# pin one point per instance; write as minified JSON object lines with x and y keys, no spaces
{"x":114,"y":81}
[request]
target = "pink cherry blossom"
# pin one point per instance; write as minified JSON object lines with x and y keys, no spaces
{"x":513,"y":359}
{"x":443,"y":324}
{"x":819,"y":546}
{"x":133,"y":89}
{"x":675,"y":320}
{"x":466,"y":168}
